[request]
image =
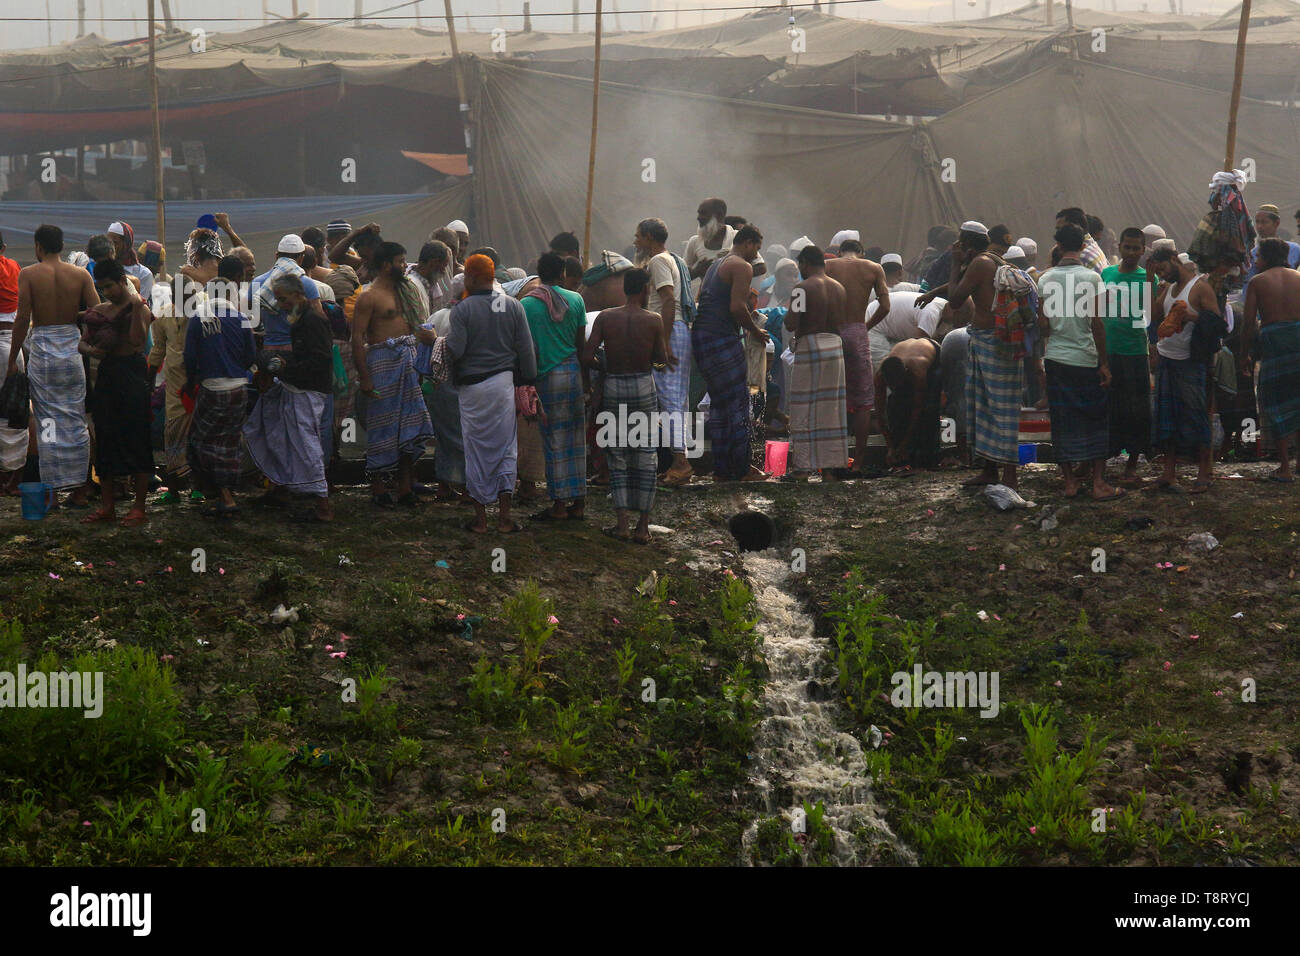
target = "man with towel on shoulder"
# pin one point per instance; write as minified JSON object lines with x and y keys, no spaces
{"x":51,"y":295}
{"x":386,"y":326}
{"x":995,"y":370}
{"x":818,"y":407}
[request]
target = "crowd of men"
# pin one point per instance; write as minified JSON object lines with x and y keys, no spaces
{"x":556,"y":374}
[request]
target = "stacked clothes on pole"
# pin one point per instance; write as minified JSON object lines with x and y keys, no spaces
{"x":1226,"y":234}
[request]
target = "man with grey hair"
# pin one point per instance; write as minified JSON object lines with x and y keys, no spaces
{"x":432,"y":273}
{"x":669,"y":296}
{"x":284,"y":430}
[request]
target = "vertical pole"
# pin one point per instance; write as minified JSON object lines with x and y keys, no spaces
{"x":466,"y":119}
{"x":528,"y":17}
{"x":591,"y":156}
{"x":81,"y":18}
{"x":575,"y":16}
{"x":157,"y":130}
{"x":1236,"y":85}
{"x":357,"y":12}
{"x":167,"y":14}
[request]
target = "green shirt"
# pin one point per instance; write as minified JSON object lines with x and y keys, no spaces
{"x":555,"y":341}
{"x":1127,"y":311}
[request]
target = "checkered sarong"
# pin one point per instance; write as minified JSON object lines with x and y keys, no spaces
{"x":564,"y":433}
{"x":633,"y":469}
{"x":721,"y":359}
{"x":994,"y":382}
{"x":1278,"y":349}
{"x":819,"y":435}
{"x":214,"y":435}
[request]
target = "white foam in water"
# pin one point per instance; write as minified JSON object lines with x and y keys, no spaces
{"x":802,"y":755}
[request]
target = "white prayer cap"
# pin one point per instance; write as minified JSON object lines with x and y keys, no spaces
{"x":116,"y":229}
{"x":775,"y":251}
{"x":1014,"y":252}
{"x":784,"y":266}
{"x":976,"y":227}
{"x":1163,"y":244}
{"x":844,"y":235}
{"x":291,"y":244}
{"x":799,"y":245}
{"x":457,"y":225}
{"x":889,"y":257}
{"x":1184,"y":258}
{"x":1028,"y":245}
{"x":1153,"y":232}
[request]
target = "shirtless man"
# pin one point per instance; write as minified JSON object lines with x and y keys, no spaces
{"x":995,"y":377}
{"x":912,"y":373}
{"x":51,"y":294}
{"x":387,"y":324}
{"x":818,"y":410}
{"x":724,"y":310}
{"x":634,"y":342}
{"x":861,"y":278}
{"x":1273,"y":303}
{"x":363,"y":241}
{"x":123,"y":447}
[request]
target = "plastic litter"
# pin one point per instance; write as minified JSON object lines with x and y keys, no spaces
{"x":441,"y":564}
{"x":1203,"y":540}
{"x":982,"y":615}
{"x":281,"y":615}
{"x":1004,"y":499}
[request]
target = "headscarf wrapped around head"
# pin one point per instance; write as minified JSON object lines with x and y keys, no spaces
{"x":202,"y":244}
{"x":150,"y":246}
{"x":480,"y":268}
{"x":128,"y":257}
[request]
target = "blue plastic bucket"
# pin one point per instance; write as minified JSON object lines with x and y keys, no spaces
{"x":38,"y":498}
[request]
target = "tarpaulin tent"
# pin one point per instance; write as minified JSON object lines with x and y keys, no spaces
{"x":1129,"y":148}
{"x":787,"y":170}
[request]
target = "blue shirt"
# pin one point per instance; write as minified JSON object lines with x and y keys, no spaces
{"x":274,"y":325}
{"x":224,"y":350}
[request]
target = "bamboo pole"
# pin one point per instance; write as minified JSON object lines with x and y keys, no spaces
{"x":466,"y":119}
{"x":591,"y":157}
{"x":157,"y":131}
{"x":1236,"y":85}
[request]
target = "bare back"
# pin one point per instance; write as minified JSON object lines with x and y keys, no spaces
{"x":979,"y":276}
{"x":632,"y":338}
{"x":824,"y":304}
{"x":1277,"y":295}
{"x":56,"y":292}
{"x":918,"y":356}
{"x":858,"y":277}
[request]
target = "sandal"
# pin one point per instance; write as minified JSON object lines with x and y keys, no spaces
{"x":97,"y":516}
{"x":1114,"y":496}
{"x":612,"y":532}
{"x":135,"y":518}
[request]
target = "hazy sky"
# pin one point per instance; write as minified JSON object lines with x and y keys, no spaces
{"x":63,"y":25}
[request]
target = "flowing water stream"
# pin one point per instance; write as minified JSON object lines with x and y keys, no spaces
{"x":802,"y":755}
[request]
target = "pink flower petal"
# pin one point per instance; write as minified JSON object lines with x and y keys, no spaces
{"x":55,"y":576}
{"x":339,"y":654}
{"x":221,"y":570}
{"x":1167,"y":665}
{"x":672,"y":603}
{"x":344,"y":636}
{"x":1193,"y":637}
{"x":169,"y":569}
{"x":460,"y":617}
{"x":1033,"y":831}
{"x":1002,"y":567}
{"x":617,"y":621}
{"x":552,"y":620}
{"x":1056,"y":684}
{"x":329,"y":647}
{"x":929,"y":512}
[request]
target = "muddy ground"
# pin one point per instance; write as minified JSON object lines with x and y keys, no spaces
{"x":573,"y":764}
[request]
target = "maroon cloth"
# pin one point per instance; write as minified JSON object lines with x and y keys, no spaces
{"x":859,"y":385}
{"x":555,"y":304}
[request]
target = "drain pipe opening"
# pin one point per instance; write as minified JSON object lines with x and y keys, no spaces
{"x":753,"y":530}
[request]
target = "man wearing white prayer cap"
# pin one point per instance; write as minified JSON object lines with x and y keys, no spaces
{"x":1153,"y":232}
{"x":462,"y":233}
{"x":842,"y":235}
{"x":799,"y":244}
{"x":892,"y":263}
{"x":1030,"y":248}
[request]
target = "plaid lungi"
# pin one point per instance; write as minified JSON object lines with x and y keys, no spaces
{"x":214,"y":435}
{"x":994,"y":381}
{"x":859,"y":385}
{"x":120,"y":405}
{"x":564,"y":433}
{"x":632,"y":467}
{"x":57,"y":378}
{"x":1278,"y":350}
{"x":1182,"y":406}
{"x":721,"y":359}
{"x":283,"y":435}
{"x":1080,"y":417}
{"x":397,"y":421}
{"x":819,"y":436}
{"x":673,"y":385}
{"x":1128,"y":402}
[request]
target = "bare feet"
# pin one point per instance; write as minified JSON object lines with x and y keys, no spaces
{"x":754,"y":474}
